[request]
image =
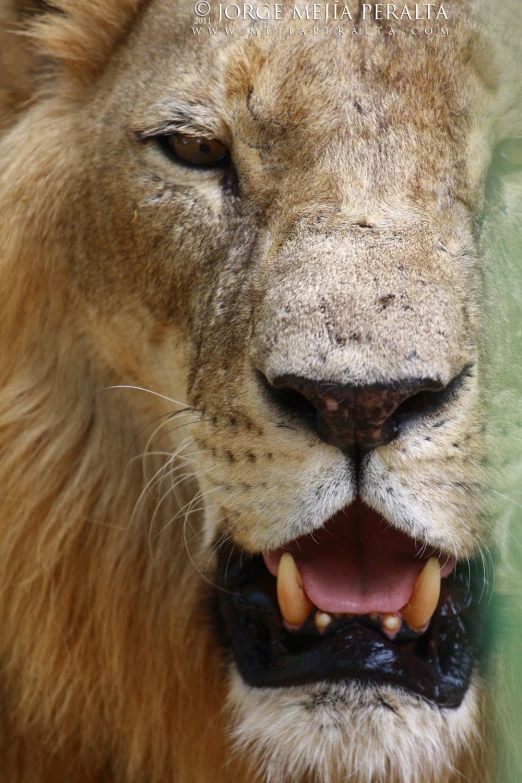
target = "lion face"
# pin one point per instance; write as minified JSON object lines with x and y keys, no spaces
{"x":313,"y":293}
{"x":324,"y":283}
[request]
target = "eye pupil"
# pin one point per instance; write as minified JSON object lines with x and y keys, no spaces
{"x":197,"y":151}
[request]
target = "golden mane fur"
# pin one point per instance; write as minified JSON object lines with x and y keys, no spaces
{"x":70,"y":489}
{"x":68,"y":664}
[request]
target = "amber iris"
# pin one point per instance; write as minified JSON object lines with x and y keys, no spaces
{"x":196,"y":150}
{"x":510,"y":152}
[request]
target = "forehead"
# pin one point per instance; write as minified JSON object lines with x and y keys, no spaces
{"x":311,"y":70}
{"x":422,"y":106}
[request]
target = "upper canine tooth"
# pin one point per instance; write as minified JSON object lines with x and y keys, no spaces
{"x":294,"y":603}
{"x":425,"y":596}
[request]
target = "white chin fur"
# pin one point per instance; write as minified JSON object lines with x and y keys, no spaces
{"x":328,"y":733}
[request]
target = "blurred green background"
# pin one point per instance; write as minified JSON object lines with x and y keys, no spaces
{"x":502,"y":234}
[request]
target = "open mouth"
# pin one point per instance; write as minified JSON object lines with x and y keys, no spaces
{"x":355,"y":600}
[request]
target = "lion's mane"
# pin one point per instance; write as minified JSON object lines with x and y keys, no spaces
{"x":104,"y":654}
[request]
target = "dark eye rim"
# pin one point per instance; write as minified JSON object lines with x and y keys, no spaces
{"x":162,"y":141}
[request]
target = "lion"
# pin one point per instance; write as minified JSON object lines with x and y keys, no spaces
{"x":244,"y":389}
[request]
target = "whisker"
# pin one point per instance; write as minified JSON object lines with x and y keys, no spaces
{"x":194,"y":564}
{"x":174,"y":429}
{"x":180,"y":481}
{"x":142,"y":388}
{"x":169,"y":416}
{"x":154,"y":481}
{"x":505,"y":497}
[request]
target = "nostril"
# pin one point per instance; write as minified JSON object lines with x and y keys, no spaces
{"x":423,"y":402}
{"x":292,"y":402}
{"x":363,"y":417}
{"x":428,"y":402}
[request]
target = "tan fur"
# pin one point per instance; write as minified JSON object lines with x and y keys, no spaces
{"x":120,"y":268}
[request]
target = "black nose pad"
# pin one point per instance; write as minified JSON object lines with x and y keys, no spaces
{"x":360,"y":417}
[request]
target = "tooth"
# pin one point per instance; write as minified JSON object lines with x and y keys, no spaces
{"x":322,"y":620}
{"x":373,"y":615}
{"x":294,"y":603}
{"x":392,"y":622}
{"x":425,"y":596}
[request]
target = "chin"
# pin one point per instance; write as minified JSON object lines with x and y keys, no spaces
{"x":353,"y":653}
{"x":349,"y":730}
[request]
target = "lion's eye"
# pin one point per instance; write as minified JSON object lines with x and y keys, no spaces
{"x":196,"y":150}
{"x":509,"y":153}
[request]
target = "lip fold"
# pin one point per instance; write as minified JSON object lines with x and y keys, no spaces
{"x":357,"y":581}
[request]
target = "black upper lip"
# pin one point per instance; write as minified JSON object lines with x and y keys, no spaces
{"x":436,"y":665}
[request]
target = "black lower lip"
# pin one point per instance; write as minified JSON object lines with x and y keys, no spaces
{"x":436,"y":666}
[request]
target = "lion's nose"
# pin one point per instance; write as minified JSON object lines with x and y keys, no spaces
{"x":361,"y":416}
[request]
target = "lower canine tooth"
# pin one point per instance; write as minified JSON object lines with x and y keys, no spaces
{"x":322,"y":620}
{"x":294,"y":603}
{"x":425,"y":596}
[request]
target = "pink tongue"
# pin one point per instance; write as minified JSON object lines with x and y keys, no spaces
{"x":357,"y":563}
